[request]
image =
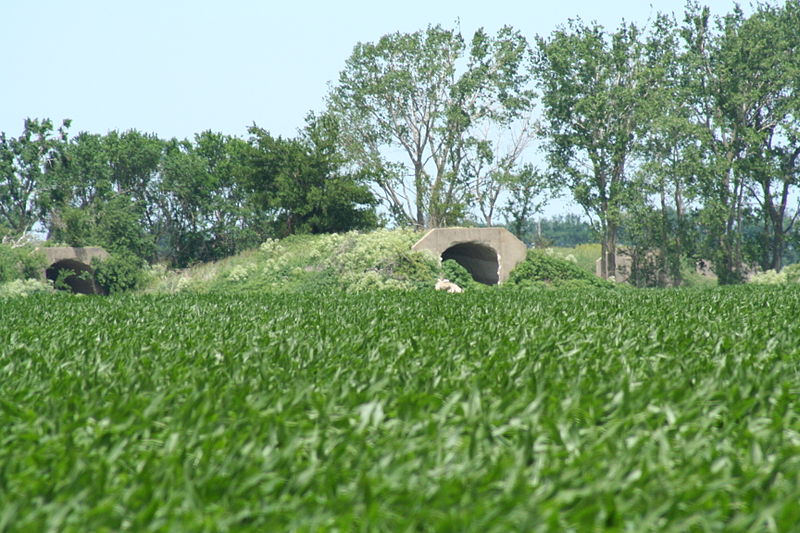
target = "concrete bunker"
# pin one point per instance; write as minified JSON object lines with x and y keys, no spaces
{"x":489,"y":254}
{"x":71,"y":266}
{"x":73,"y":275}
{"x":480,"y":260}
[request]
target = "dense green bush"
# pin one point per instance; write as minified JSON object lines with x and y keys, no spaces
{"x":541,"y":269}
{"x":459,"y":275}
{"x":20,"y":263}
{"x":119,"y":273}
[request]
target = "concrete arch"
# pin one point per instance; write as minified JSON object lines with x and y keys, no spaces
{"x":79,"y":277}
{"x":489,"y":254}
{"x":78,"y":261}
{"x":481,"y":261}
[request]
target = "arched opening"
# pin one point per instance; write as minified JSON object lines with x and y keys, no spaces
{"x":479,"y":260}
{"x":69,"y":274}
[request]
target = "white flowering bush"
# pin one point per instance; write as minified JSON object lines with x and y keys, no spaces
{"x":769,"y":277}
{"x":239,"y":272}
{"x":351,"y":261}
{"x":792,"y":273}
{"x":23,"y":287}
{"x":789,"y":274}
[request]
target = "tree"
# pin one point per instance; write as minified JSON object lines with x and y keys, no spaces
{"x":524,"y":198}
{"x":742,"y":77}
{"x":204,"y":203}
{"x":408,"y":94}
{"x":660,"y":228}
{"x":25,"y":162}
{"x":768,"y":43}
{"x":102,"y":192}
{"x":595,"y":90}
{"x":301,"y":185}
{"x":494,"y":169}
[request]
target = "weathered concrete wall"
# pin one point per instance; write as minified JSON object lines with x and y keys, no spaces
{"x":488,"y":253}
{"x":84,"y":255}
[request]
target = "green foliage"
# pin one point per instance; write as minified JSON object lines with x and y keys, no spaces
{"x":114,"y":225}
{"x":409,"y":266}
{"x":459,"y":275}
{"x":789,"y":274}
{"x":597,"y":90}
{"x":302,"y":182}
{"x":20,"y":263}
{"x":26,"y":165}
{"x":64,"y":275}
{"x":567,"y":410}
{"x":541,"y":268}
{"x":350,"y":261}
{"x":583,"y":255}
{"x":561,"y":230}
{"x":119,"y":273}
{"x":431,"y":97}
{"x":23,"y":287}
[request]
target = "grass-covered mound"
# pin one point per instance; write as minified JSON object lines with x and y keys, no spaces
{"x":356,"y":262}
{"x":350,"y":261}
{"x":542,"y":270}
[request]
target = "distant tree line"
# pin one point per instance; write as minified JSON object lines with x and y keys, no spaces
{"x":178,"y":201}
{"x":681,"y":138}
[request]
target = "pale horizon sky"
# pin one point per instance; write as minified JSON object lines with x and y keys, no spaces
{"x":176,"y":68}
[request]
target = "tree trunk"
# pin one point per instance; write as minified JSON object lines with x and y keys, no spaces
{"x":680,"y":228}
{"x":611,"y":250}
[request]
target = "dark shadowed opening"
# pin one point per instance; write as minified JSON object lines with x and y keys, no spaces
{"x":74,"y":275}
{"x":479,"y":260}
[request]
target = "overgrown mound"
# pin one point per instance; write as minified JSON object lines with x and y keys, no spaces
{"x":350,"y":261}
{"x":543,"y":270}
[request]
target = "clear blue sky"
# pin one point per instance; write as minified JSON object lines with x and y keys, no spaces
{"x":179,"y":67}
{"x":176,"y":68}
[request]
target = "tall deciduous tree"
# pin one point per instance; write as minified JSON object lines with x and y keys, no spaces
{"x":301,"y":185}
{"x":768,"y":44}
{"x":672,"y":164}
{"x":25,"y":162}
{"x":204,"y":204}
{"x":742,"y":75}
{"x":595,"y":92}
{"x":413,"y":107}
{"x":104,"y":192}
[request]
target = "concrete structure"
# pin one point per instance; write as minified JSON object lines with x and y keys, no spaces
{"x":489,"y":254}
{"x":648,"y":268}
{"x":76,"y":260}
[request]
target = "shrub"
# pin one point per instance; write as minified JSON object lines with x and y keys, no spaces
{"x":769,"y":277}
{"x":23,"y":287}
{"x":792,"y":273}
{"x":119,"y":273}
{"x":539,"y":267}
{"x":416,"y":267}
{"x":789,"y":274}
{"x":20,"y":263}
{"x":453,"y":271}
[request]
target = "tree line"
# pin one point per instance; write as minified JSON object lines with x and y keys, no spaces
{"x":681,"y":137}
{"x":178,"y":201}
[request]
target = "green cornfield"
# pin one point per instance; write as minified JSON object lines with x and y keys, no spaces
{"x":497,"y":410}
